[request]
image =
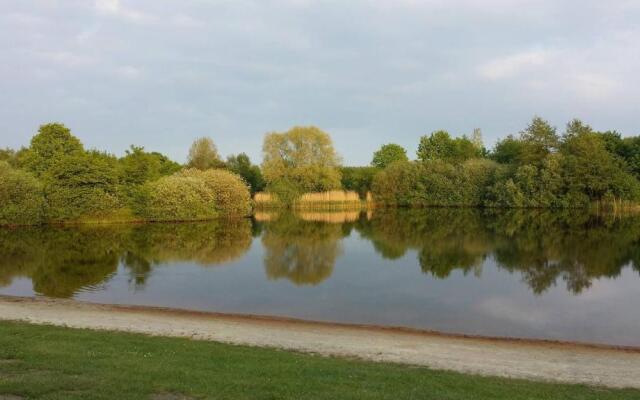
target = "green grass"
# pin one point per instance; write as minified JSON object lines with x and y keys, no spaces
{"x":46,"y":362}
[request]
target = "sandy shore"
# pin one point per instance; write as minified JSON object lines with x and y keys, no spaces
{"x":548,"y":361}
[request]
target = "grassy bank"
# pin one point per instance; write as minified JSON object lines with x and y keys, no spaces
{"x":61,"y":363}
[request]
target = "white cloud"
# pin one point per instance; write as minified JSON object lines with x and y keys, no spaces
{"x":514,"y":64}
{"x":129,"y":72}
{"x":116,"y":9}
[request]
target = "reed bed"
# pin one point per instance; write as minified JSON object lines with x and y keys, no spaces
{"x":330,"y":200}
{"x":265,"y":216}
{"x":334,"y":217}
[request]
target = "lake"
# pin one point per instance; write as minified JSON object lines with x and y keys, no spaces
{"x":531,"y":274}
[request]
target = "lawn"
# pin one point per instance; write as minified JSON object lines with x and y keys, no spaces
{"x":45,"y":362}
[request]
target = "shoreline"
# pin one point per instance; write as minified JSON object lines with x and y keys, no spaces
{"x":543,"y":360}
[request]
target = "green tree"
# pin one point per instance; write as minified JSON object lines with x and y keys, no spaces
{"x":388,"y":154}
{"x":52,"y":142}
{"x":81,"y":185}
{"x":203,"y":154}
{"x":508,"y":150}
{"x":591,"y":169}
{"x":8,"y":155}
{"x":21,"y":197}
{"x":139,"y":166}
{"x":441,"y":146}
{"x":539,"y":139}
{"x":304,"y":157}
{"x":241,"y":165}
{"x":358,"y":179}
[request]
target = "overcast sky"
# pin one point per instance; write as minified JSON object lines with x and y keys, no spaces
{"x":160,"y":73}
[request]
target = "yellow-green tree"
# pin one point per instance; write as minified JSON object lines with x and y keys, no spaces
{"x":302,"y":159}
{"x":203,"y":154}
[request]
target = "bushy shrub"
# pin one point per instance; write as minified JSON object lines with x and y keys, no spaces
{"x":176,"y":198}
{"x":21,"y":198}
{"x":231,"y":193}
{"x":81,"y":185}
{"x":358,"y":179}
{"x":433,"y":183}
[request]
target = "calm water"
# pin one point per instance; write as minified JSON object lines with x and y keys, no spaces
{"x":527,"y":274}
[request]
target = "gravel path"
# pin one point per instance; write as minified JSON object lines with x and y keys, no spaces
{"x":548,"y":361}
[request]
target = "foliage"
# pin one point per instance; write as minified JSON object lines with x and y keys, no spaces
{"x":81,"y":184}
{"x":387,"y":154}
{"x":9,"y":156}
{"x":441,"y":146}
{"x":241,"y":165}
{"x":177,"y":198}
{"x":358,"y":179}
{"x":21,"y":197}
{"x":433,"y":183}
{"x":139,"y":166}
{"x":203,"y":154}
{"x":231,"y":194}
{"x":52,"y":142}
{"x":301,"y":160}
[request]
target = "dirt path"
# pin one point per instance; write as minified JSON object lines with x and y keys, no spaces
{"x":509,"y":358}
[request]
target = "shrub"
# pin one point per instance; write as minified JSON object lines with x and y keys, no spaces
{"x":231,"y":193}
{"x":358,"y":179}
{"x":177,"y":198}
{"x":81,"y":185}
{"x":21,"y":197}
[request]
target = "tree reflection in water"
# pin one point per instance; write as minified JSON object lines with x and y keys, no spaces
{"x":302,"y":248}
{"x":544,"y":247}
{"x":60,"y":261}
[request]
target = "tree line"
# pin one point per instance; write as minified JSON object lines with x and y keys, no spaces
{"x":56,"y":179}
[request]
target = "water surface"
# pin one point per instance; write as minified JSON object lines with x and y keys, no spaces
{"x":535,"y":274}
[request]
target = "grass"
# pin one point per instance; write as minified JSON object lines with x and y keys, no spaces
{"x":44,"y":362}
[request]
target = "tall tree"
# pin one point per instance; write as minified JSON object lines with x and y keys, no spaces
{"x":241,"y":165}
{"x":540,"y":139}
{"x":387,"y":154}
{"x":441,"y":146}
{"x":203,"y":154}
{"x":52,"y":142}
{"x":303,"y":157}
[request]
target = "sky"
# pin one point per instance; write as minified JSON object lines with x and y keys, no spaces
{"x":160,"y":73}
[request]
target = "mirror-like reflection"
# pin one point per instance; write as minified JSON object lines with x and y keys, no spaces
{"x":559,"y":275}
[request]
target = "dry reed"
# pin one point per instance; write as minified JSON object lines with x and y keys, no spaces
{"x":336,"y":217}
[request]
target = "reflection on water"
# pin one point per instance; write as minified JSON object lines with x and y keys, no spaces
{"x":555,"y":257}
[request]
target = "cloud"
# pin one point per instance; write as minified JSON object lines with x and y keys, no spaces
{"x":514,"y":64}
{"x":116,"y":9}
{"x":128,"y":72}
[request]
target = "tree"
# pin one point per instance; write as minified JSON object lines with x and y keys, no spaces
{"x":304,"y":157}
{"x":21,"y":197}
{"x":388,"y":154}
{"x":231,"y":193}
{"x":203,"y":154}
{"x":81,"y":185}
{"x":52,"y":142}
{"x":139,"y":166}
{"x":8,"y":155}
{"x":441,"y":146}
{"x":358,"y":179}
{"x":241,"y":165}
{"x":540,"y":139}
{"x":591,"y":169}
{"x":508,"y":150}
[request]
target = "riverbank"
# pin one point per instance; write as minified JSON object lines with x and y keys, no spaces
{"x":543,"y":361}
